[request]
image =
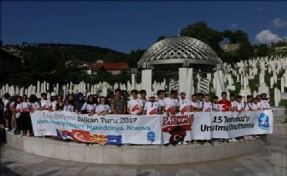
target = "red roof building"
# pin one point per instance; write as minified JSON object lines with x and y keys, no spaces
{"x":113,"y":68}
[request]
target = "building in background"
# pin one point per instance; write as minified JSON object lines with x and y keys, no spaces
{"x":9,"y":63}
{"x":112,"y":68}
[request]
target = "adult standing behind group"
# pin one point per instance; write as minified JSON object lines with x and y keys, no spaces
{"x":118,"y":104}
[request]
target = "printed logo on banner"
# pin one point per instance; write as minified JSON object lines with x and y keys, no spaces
{"x":263,"y":121}
{"x":151,"y":136}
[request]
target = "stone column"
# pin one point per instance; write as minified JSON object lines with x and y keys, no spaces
{"x":147,"y":80}
{"x":189,"y":86}
{"x":183,"y":79}
{"x":219,"y":83}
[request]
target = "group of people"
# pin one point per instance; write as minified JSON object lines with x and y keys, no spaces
{"x":15,"y":111}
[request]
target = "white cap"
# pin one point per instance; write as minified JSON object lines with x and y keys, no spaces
{"x":151,"y":95}
{"x":53,"y":94}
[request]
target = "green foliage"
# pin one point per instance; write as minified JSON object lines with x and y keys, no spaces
{"x":245,"y":51}
{"x":262,"y":50}
{"x":203,"y":32}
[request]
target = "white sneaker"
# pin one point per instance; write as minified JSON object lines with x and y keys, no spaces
{"x":6,"y":129}
{"x":232,"y":140}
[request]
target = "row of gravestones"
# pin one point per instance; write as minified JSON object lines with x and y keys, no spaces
{"x":243,"y":72}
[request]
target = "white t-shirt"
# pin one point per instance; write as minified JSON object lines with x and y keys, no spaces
{"x":69,"y":108}
{"x":255,"y":106}
{"x":170,"y":104}
{"x":18,"y":110}
{"x":199,"y":104}
{"x":238,"y":106}
{"x":160,"y":101}
{"x":248,"y":107}
{"x":54,"y":105}
{"x":194,"y":104}
{"x":6,"y":101}
{"x":207,"y":106}
{"x":26,"y":106}
{"x":217,"y":107}
{"x":12,"y":105}
{"x":35,"y":105}
{"x":265,"y":104}
{"x":135,"y":105}
{"x":184,"y":105}
{"x":152,"y":108}
{"x":259,"y":105}
{"x":89,"y":107}
{"x":103,"y":108}
{"x":232,"y":104}
{"x":45,"y":103}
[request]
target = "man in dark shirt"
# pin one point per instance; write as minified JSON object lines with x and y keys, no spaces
{"x":118,"y":104}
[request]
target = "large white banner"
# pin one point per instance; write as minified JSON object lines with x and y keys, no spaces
{"x":157,"y":129}
{"x":111,"y":129}
{"x":231,"y":124}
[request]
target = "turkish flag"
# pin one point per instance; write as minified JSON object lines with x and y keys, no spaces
{"x":80,"y":136}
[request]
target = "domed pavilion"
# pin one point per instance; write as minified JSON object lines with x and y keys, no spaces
{"x":179,"y":58}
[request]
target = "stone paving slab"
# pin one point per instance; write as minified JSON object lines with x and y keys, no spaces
{"x":270,"y":161}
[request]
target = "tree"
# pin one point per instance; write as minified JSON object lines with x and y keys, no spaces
{"x":262,"y":50}
{"x":230,"y":36}
{"x":245,"y":51}
{"x":160,"y":38}
{"x":241,"y":37}
{"x":202,"y":32}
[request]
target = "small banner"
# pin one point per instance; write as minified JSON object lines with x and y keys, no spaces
{"x":110,"y":129}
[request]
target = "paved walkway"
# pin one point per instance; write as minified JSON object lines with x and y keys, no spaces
{"x":270,"y":161}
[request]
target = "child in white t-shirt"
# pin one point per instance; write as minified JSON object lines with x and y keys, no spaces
{"x":135,"y":105}
{"x":184,"y":104}
{"x":152,"y":107}
{"x":103,"y":108}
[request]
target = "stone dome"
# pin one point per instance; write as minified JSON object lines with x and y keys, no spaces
{"x":181,"y":50}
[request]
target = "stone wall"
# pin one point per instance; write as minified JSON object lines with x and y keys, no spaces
{"x":132,"y":155}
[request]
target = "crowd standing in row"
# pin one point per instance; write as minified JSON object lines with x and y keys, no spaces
{"x":15,"y":111}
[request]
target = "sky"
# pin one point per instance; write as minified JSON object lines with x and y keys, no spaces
{"x":129,"y":25}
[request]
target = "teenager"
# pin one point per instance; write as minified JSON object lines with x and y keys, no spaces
{"x":194,"y":103}
{"x":135,"y":105}
{"x":45,"y":103}
{"x":207,"y":105}
{"x":60,"y":103}
{"x":78,"y":103}
{"x":89,"y":107}
{"x":16,"y":114}
{"x":152,"y":107}
{"x":224,"y":103}
{"x":25,"y":117}
{"x":160,"y":98}
{"x":171,"y":103}
{"x":216,"y":106}
{"x":118,"y":104}
{"x":103,"y":108}
{"x":184,"y":104}
{"x":248,"y":105}
{"x":200,"y":101}
{"x":265,"y":102}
